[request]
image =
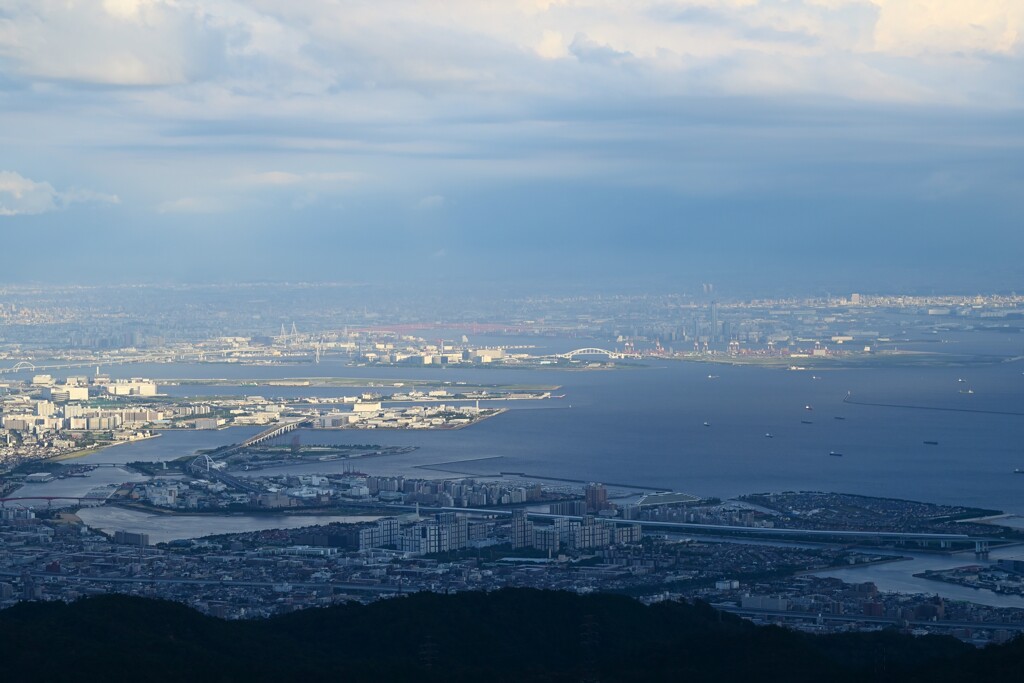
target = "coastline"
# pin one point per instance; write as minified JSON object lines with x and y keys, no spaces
{"x":1000,"y":520}
{"x":74,"y":455}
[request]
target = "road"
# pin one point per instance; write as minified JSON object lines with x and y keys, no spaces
{"x":862,"y":619}
{"x":204,"y":582}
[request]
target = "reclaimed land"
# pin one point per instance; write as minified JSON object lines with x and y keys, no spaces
{"x":102,"y":446}
{"x":352,"y":382}
{"x":879,"y":359}
{"x":506,"y":635}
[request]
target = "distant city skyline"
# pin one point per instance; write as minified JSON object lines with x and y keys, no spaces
{"x":810,"y":146}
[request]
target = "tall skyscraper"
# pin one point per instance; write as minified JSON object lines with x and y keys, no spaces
{"x":596,"y":496}
{"x":522,"y":530}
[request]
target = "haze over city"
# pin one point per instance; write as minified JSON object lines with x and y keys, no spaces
{"x":562,"y":340}
{"x":814,"y":145}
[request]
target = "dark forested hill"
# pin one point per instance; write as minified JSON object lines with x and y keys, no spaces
{"x":509,"y":635}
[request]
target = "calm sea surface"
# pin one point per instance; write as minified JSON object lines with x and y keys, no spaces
{"x":645,"y":425}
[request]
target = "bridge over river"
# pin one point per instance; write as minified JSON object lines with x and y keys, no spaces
{"x":207,"y":465}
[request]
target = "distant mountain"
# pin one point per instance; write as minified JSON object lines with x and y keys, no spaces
{"x":508,"y":635}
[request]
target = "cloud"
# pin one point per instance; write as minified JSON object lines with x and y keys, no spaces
{"x":192,"y":205}
{"x":914,"y":27}
{"x":271,"y":178}
{"x":551,"y":45}
{"x":434,"y":201}
{"x":286,"y":178}
{"x":313,"y":48}
{"x":587,"y":50}
{"x":115,"y":43}
{"x":129,"y":9}
{"x":22,"y":196}
{"x":236,"y":105}
{"x":830,"y":48}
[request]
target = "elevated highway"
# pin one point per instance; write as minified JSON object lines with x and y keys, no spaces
{"x":57,"y":364}
{"x":593,"y":351}
{"x":271,"y":432}
{"x":981,"y":543}
{"x":49,"y":500}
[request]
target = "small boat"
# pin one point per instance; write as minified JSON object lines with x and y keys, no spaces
{"x":769,"y":435}
{"x":835,"y":453}
{"x":806,"y":422}
{"x":931,"y":443}
{"x":969,"y":391}
{"x":712,"y":376}
{"x":808,"y":407}
{"x":837,"y":417}
{"x":1018,"y":470}
{"x":707,"y":424}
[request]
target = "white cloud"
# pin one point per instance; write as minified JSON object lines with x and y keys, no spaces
{"x":286,"y":178}
{"x":271,"y":178}
{"x":21,"y":196}
{"x":116,"y":42}
{"x":586,"y":49}
{"x":128,"y":9}
{"x":551,"y":45}
{"x":253,"y":99}
{"x":311,"y":47}
{"x":911,"y":27}
{"x":434,"y":201}
{"x":191,"y":205}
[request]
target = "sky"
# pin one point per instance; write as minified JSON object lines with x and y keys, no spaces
{"x":865,"y":145}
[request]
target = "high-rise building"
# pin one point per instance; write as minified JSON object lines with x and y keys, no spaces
{"x":546,"y":539}
{"x":455,"y":530}
{"x":596,"y":496}
{"x":593,"y":533}
{"x":522,"y":530}
{"x":576,"y":508}
{"x":131,"y":538}
{"x":390,"y":529}
{"x":566,"y":529}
